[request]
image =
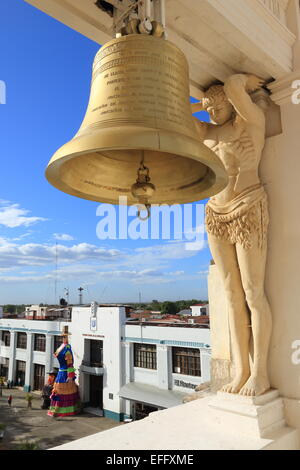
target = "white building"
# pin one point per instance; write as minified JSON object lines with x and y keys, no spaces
{"x":200,"y":309}
{"x":124,"y":368}
{"x":26,"y":350}
{"x":41,"y":312}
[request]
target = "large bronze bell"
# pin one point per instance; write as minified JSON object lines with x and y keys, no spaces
{"x":138,"y":117}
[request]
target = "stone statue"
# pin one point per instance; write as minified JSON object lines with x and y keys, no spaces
{"x":237,"y":223}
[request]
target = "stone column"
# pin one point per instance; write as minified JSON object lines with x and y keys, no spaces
{"x":12,"y":356}
{"x":128,"y":362}
{"x":205,"y":358}
{"x":29,"y":365}
{"x":281,"y":169}
{"x":162,"y":366}
{"x":49,"y":351}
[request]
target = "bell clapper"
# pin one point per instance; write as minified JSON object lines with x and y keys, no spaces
{"x":142,"y":189}
{"x":148,"y":208}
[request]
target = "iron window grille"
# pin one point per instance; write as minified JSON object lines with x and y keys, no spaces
{"x":39,"y":342}
{"x":22,"y":340}
{"x":145,"y":356}
{"x":186,"y":361}
{"x":6,"y":338}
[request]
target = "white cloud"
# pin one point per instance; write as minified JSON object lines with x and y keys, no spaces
{"x":93,"y":275}
{"x":168,"y":251}
{"x":196,"y":246}
{"x":35,"y":254}
{"x":12,"y":215}
{"x":63,"y":237}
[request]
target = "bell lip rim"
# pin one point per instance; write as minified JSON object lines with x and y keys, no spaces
{"x":216,"y":169}
{"x":209,"y":192}
{"x":217,"y":186}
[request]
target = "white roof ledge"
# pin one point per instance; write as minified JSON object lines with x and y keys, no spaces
{"x":190,"y":426}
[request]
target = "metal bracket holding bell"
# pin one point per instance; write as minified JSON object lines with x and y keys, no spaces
{"x":135,"y":16}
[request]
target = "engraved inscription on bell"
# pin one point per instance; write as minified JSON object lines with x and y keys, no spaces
{"x":143,"y":85}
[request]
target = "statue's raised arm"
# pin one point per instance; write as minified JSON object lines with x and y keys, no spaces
{"x":237,"y":88}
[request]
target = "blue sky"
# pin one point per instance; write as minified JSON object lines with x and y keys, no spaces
{"x":47,"y":69}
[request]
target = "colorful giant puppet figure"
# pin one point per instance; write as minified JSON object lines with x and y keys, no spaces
{"x":65,"y":400}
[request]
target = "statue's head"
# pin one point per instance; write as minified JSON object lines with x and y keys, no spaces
{"x":217,"y":105}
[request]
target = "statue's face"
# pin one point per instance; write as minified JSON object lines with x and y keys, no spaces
{"x":220,"y":112}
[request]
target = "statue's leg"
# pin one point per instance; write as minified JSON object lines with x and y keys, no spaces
{"x":252,"y":264}
{"x":224,"y":255}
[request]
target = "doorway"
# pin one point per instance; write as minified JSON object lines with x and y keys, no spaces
{"x":4,"y":366}
{"x":96,"y":391}
{"x":39,"y":376}
{"x":141,"y":410}
{"x":20,"y":373}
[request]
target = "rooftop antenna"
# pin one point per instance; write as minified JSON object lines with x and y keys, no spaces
{"x":66,"y":289}
{"x":80,"y":295}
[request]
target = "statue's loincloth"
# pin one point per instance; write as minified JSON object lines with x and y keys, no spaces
{"x":243,"y":220}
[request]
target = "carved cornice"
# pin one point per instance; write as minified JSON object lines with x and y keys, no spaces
{"x":277,"y":7}
{"x":281,"y":90}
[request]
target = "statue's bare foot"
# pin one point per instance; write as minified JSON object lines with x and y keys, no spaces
{"x":255,"y":385}
{"x":236,"y":384}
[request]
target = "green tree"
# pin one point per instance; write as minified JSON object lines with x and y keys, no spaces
{"x":9,"y":308}
{"x":169,"y":308}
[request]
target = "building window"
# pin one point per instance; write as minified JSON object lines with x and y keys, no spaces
{"x":6,"y":338}
{"x":96,"y":353}
{"x":145,"y":356}
{"x":39,"y":342}
{"x":4,"y":365}
{"x":186,"y":361}
{"x":22,"y":340}
{"x":57,"y":342}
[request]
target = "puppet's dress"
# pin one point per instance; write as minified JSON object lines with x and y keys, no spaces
{"x":65,"y":400}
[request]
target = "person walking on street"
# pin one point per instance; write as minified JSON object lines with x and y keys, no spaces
{"x":9,"y":400}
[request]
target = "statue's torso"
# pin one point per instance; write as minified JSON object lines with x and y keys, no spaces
{"x":239,"y":146}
